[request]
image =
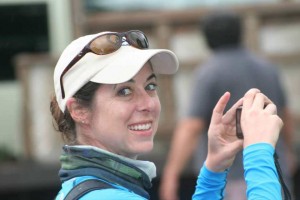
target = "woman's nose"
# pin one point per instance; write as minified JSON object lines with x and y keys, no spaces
{"x":146,"y":102}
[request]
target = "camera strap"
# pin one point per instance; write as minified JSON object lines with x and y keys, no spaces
{"x":286,"y":192}
{"x":85,"y":187}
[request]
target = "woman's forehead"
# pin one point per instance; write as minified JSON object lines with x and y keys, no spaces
{"x":145,"y":72}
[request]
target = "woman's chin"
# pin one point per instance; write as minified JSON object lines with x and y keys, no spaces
{"x":143,"y":148}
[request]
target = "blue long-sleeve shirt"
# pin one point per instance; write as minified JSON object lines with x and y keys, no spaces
{"x":260,"y":175}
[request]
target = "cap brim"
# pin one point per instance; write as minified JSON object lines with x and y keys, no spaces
{"x":127,"y":62}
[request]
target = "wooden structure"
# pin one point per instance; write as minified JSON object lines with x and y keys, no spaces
{"x":163,"y":25}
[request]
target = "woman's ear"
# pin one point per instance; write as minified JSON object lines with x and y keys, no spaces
{"x":78,"y":112}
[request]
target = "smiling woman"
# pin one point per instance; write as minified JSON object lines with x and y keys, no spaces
{"x":123,"y":117}
{"x":107,"y":108}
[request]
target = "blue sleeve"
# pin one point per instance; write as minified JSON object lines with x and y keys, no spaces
{"x":260,"y":172}
{"x":210,"y":185}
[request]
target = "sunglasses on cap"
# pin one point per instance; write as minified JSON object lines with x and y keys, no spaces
{"x":106,"y":44}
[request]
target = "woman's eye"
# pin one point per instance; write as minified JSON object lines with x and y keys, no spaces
{"x":151,"y":86}
{"x":124,"y":92}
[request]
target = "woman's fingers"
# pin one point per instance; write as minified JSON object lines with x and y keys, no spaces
{"x":261,"y":101}
{"x":255,"y":99}
{"x":271,"y":108}
{"x":259,"y":119}
{"x":220,"y":107}
{"x":249,"y":98}
{"x":230,"y":115}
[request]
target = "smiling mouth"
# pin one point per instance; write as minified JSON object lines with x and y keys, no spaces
{"x":140,"y":127}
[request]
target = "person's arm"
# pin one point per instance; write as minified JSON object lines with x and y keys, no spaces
{"x":260,"y":175}
{"x":260,"y":172}
{"x":287,"y":133}
{"x":184,"y":143}
{"x":288,"y":127}
{"x":261,"y":127}
{"x":210,"y":185}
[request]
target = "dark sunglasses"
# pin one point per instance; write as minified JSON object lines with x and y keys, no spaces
{"x":106,"y":44}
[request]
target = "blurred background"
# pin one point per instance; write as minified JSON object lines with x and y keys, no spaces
{"x":33,"y":33}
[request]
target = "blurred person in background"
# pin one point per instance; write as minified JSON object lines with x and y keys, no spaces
{"x":235,"y":69}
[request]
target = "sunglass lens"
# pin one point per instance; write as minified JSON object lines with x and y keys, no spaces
{"x":105,"y":44}
{"x":137,"y":39}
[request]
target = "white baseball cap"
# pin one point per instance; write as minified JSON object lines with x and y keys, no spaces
{"x":117,"y":67}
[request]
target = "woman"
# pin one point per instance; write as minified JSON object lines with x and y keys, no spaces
{"x":107,"y":108}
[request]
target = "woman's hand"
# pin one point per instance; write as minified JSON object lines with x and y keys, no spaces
{"x":223,"y":144}
{"x":259,"y":119}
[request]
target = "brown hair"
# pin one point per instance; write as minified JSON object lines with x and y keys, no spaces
{"x":63,"y":122}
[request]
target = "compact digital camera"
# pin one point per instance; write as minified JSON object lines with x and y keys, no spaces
{"x":239,"y":132}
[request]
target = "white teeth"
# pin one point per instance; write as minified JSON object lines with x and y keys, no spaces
{"x":140,"y":127}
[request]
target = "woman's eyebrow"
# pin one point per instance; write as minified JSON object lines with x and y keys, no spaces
{"x":132,"y":81}
{"x":151,"y":77}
